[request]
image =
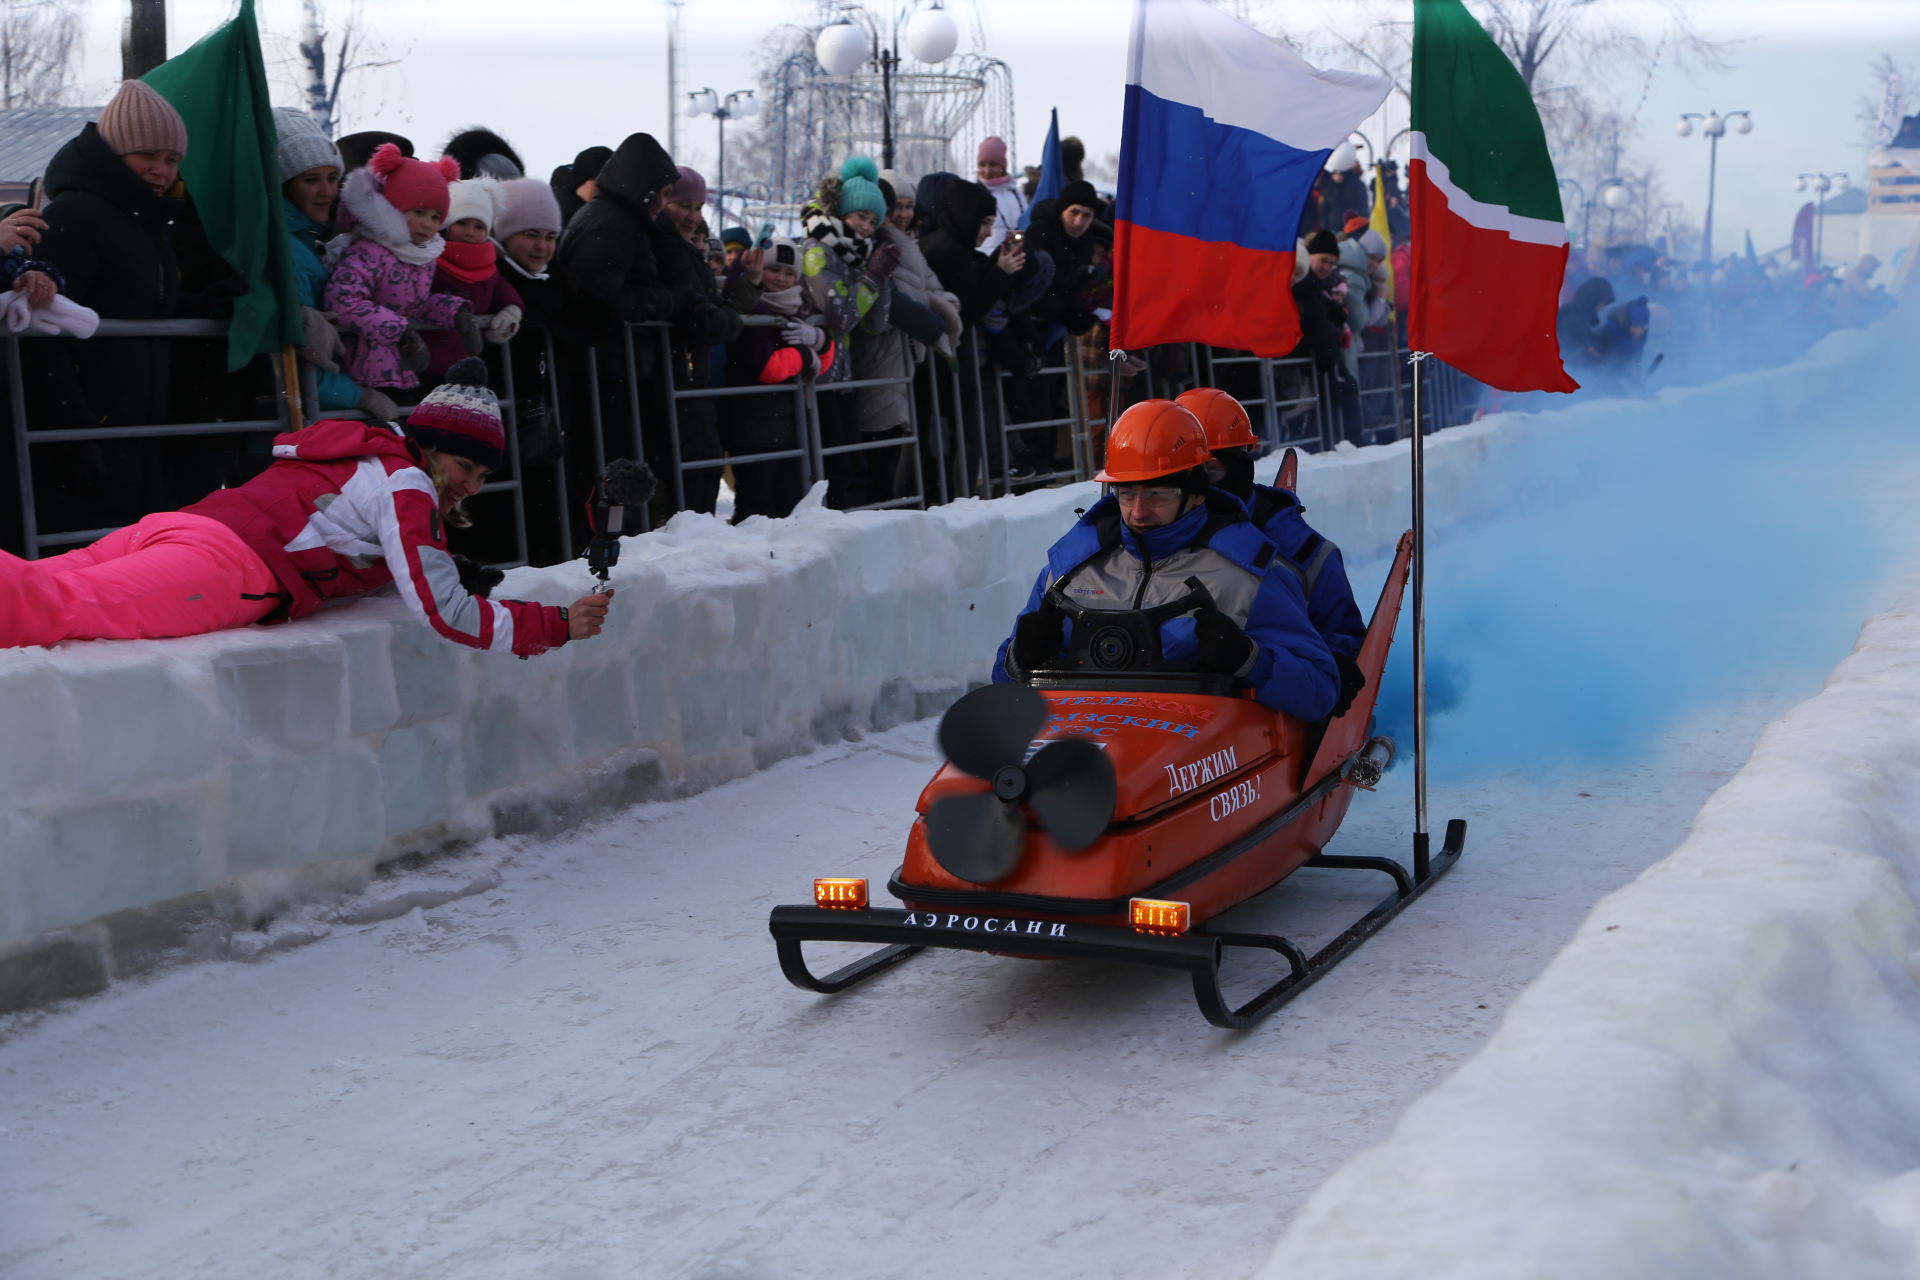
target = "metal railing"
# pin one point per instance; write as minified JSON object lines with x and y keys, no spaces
{"x":26,"y":439}
{"x":960,"y":435}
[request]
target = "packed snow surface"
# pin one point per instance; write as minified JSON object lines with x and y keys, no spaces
{"x":596,"y":1069}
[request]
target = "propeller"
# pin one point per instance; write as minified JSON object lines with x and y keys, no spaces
{"x":1069,"y":785}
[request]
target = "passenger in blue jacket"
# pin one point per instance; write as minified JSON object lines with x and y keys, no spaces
{"x":1279,"y":514}
{"x":1160,"y":525}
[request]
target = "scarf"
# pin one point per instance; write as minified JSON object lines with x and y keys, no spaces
{"x":506,"y":260}
{"x":782,"y":302}
{"x":823,"y":228}
{"x":415,"y":255}
{"x":469,"y":263}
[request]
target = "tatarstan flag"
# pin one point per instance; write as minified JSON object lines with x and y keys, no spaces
{"x":1489,"y":241}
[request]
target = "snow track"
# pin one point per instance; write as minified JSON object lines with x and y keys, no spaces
{"x":596,"y":1070}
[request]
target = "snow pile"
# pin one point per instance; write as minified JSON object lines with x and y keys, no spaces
{"x":1716,"y":1076}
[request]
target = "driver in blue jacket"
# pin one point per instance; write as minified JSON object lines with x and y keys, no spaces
{"x":1280,"y":515}
{"x":1159,"y":525}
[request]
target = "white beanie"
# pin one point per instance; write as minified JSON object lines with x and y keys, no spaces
{"x":475,"y":198}
{"x":302,"y":145}
{"x":1374,"y":243}
{"x":526,"y":204}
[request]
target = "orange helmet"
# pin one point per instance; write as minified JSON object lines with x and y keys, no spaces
{"x":1226,"y":422}
{"x":1154,"y":438}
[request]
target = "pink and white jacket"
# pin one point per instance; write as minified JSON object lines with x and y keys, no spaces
{"x":380,"y":282}
{"x":345,"y":509}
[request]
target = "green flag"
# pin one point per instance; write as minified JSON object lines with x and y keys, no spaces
{"x":1489,"y":247}
{"x":232,"y":171}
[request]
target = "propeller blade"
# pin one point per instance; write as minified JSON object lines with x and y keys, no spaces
{"x":991,"y":727}
{"x":1071,"y":788}
{"x":977,"y":837}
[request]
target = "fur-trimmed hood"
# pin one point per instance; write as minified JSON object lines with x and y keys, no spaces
{"x":375,"y":219}
{"x":480,"y":153}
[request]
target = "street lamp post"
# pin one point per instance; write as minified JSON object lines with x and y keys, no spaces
{"x":1616,"y":195}
{"x":741,"y":104}
{"x":1821,"y":184}
{"x":844,"y":46}
{"x":1714,"y":126}
{"x":1581,"y":193}
{"x":1612,"y":192}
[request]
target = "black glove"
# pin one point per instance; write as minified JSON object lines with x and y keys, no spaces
{"x":467,"y":325}
{"x":477,"y":578}
{"x":413,"y":351}
{"x":1222,"y":645}
{"x":1036,"y":638}
{"x":1352,"y":681}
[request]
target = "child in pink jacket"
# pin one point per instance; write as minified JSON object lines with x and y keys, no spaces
{"x":383,"y":283}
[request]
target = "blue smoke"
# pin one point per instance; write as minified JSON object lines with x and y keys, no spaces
{"x":1648,"y":570}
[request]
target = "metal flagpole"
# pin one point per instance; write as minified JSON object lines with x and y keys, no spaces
{"x":1418,"y":359}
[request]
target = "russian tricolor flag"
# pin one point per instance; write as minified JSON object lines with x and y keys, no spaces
{"x":1224,"y":133}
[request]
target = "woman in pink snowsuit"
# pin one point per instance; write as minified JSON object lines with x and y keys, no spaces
{"x":346,"y":508}
{"x":383,"y":282}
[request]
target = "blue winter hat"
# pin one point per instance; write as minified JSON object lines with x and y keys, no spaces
{"x":860,"y":188}
{"x":1637,"y":312}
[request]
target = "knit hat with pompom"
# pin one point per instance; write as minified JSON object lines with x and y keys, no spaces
{"x":860,"y":188}
{"x":461,"y":416}
{"x":412,"y":184}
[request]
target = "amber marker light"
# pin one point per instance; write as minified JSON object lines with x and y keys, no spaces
{"x":841,"y":893}
{"x":1159,"y":917}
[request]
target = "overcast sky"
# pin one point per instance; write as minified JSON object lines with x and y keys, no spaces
{"x":554,"y":76}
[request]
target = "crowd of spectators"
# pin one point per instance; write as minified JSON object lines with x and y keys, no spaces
{"x":1631,"y":312}
{"x":405,"y":264}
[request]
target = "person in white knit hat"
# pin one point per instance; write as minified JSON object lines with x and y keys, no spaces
{"x":310,"y":172}
{"x":469,"y":268}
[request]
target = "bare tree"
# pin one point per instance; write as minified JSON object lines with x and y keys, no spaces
{"x":324,"y":71}
{"x":37,"y":51}
{"x":1586,"y":63}
{"x":1894,"y":98}
{"x":1589,"y":40}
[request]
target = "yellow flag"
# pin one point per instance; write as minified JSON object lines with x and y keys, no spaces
{"x":1378,"y":221}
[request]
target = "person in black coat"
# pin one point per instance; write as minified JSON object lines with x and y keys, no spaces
{"x":114,"y":197}
{"x":1059,"y":228}
{"x":701,"y":321}
{"x":573,"y":184}
{"x":608,"y":246}
{"x":612,"y":249}
{"x":964,"y":213}
{"x":109,"y":231}
{"x":607,"y":251}
{"x":1324,"y":334}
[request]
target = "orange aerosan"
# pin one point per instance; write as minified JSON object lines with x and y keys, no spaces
{"x":1111,"y":808}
